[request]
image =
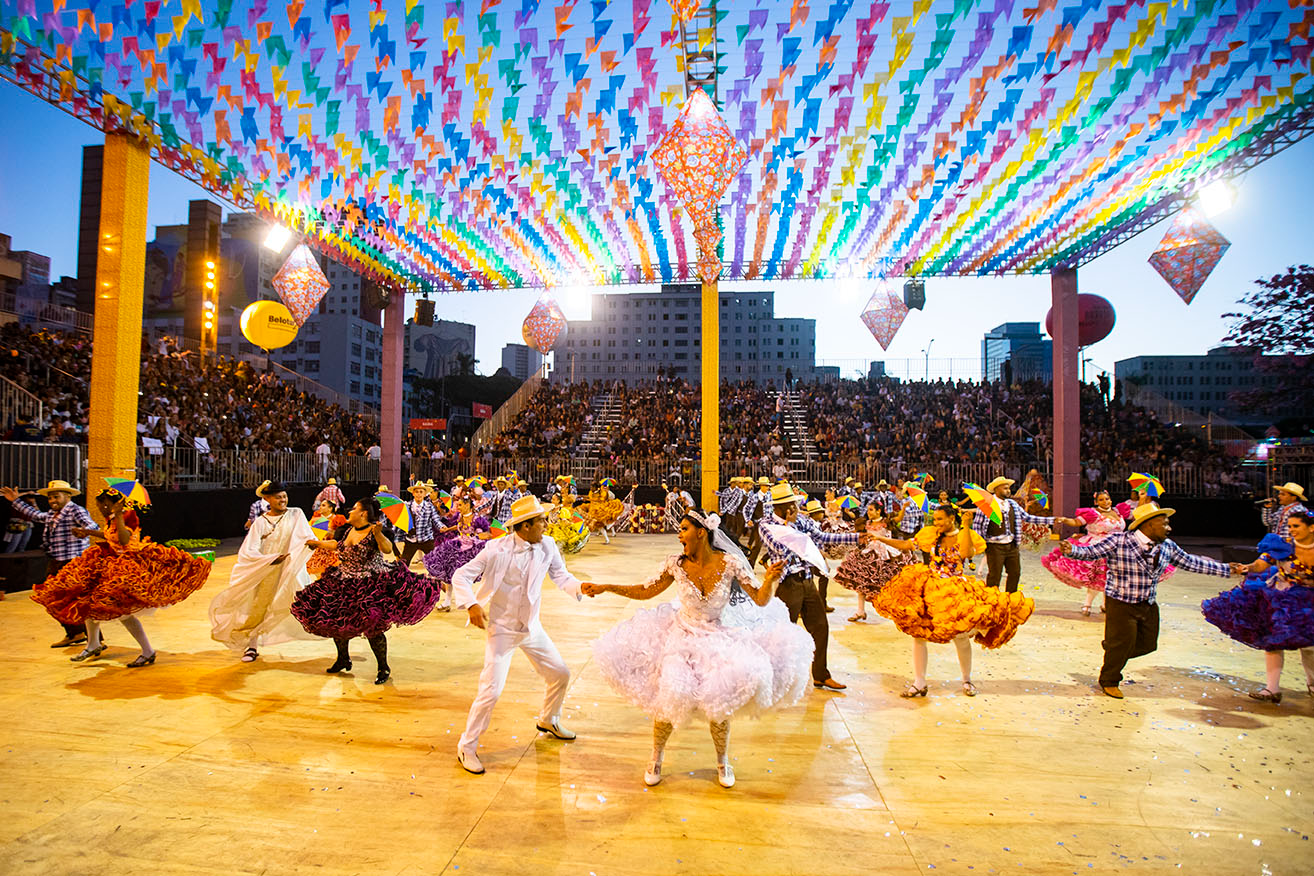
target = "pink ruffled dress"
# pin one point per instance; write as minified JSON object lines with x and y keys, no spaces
{"x":1089,"y":574}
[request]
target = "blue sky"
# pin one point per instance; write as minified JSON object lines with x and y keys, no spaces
{"x":40,"y":165}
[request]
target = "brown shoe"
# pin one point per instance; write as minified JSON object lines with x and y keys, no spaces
{"x":829,"y":684}
{"x":78,"y":639}
{"x":1112,"y":692}
{"x":1264,"y":695}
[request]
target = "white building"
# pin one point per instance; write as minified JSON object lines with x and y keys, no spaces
{"x":521,"y":361}
{"x":636,"y":336}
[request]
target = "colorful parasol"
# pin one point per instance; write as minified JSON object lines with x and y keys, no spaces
{"x":849,"y":502}
{"x":918,"y":495}
{"x":1148,"y":483}
{"x":924,"y":478}
{"x":477,"y":481}
{"x":322,"y":525}
{"x":497,"y":529}
{"x":396,"y":510}
{"x":608,"y":482}
{"x":987,"y":503}
{"x":1042,"y":497}
{"x":132,"y":490}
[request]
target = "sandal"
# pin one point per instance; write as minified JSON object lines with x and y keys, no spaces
{"x":87,"y":654}
{"x":1085,"y":611}
{"x":853,"y":619}
{"x":249,"y":655}
{"x":1264,"y":695}
{"x":142,"y":660}
{"x":913,"y":691}
{"x":969,"y":689}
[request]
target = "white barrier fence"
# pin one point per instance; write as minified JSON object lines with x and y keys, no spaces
{"x":30,"y":465}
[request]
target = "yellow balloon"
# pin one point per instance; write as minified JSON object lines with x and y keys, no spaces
{"x":268,"y":324}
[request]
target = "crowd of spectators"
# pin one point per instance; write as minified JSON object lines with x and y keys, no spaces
{"x":220,"y":404}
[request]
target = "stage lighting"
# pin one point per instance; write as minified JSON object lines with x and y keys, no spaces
{"x":424,"y":312}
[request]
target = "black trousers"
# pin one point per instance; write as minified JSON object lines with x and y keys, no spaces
{"x":410,"y":548}
{"x":1131,"y":629}
{"x":802,"y":599}
{"x":52,"y":567}
{"x":1004,"y":558}
{"x":754,"y":544}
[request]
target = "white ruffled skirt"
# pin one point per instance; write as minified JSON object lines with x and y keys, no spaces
{"x":675,"y":668}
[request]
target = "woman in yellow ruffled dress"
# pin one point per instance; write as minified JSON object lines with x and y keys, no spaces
{"x":603,"y":509}
{"x":566,"y":527}
{"x":935,"y":603}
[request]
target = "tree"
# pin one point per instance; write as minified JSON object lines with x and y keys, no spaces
{"x":465,"y":364}
{"x":1278,"y":317}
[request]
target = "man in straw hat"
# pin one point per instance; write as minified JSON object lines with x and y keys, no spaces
{"x":798,"y":589}
{"x":58,"y":538}
{"x":1290,"y":500}
{"x":1004,"y":539}
{"x":255,"y":608}
{"x":731,"y":499}
{"x":331,"y":492}
{"x":1137,"y":561}
{"x":756,"y":506}
{"x":510,"y":573}
{"x":510,"y":496}
{"x":424,"y":523}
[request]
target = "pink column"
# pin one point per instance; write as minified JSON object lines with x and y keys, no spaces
{"x":1067,"y":406}
{"x":390,"y":411}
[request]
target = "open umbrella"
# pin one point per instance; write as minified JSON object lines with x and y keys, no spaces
{"x":1042,"y":497}
{"x":497,"y":529}
{"x":608,"y":482}
{"x":322,"y":525}
{"x":478,"y":481}
{"x":849,"y":502}
{"x":923,"y":478}
{"x":987,"y":503}
{"x":918,"y":495}
{"x":396,"y":510}
{"x":1152,"y":486}
{"x":132,"y":490}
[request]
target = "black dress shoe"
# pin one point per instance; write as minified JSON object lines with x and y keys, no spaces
{"x":384,"y":674}
{"x":339,"y":666}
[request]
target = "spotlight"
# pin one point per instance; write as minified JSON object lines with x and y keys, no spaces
{"x":277,"y":238}
{"x":1216,"y":197}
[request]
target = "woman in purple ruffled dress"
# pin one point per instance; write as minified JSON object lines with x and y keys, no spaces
{"x":366,"y":593}
{"x":471,"y":534}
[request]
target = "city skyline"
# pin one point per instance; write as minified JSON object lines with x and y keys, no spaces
{"x":1264,"y":227}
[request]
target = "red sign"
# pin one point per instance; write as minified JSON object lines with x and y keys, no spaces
{"x":483,"y":412}
{"x":431,"y":425}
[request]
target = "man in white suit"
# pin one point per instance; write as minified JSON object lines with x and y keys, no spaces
{"x":510,"y":572}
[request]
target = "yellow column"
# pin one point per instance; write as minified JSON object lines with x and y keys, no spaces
{"x":120,"y":274}
{"x":711,"y":450}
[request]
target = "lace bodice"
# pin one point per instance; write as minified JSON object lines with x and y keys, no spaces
{"x":1098,"y":525}
{"x":696,"y":608}
{"x":362,"y":558}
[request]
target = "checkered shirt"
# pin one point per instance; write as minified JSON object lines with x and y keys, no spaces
{"x":1135,"y":570}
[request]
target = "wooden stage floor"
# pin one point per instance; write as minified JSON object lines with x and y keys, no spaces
{"x":204,"y":765}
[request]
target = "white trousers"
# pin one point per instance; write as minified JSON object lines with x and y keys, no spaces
{"x":498,"y":650}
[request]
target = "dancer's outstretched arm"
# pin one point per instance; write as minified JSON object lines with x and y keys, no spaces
{"x":632,"y":591}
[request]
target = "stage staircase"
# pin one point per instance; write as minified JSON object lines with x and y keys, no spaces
{"x":798,"y":437}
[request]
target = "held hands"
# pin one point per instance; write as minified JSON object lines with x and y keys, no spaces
{"x":1241,"y":569}
{"x":477,"y":616}
{"x":588,"y":588}
{"x":1066,"y":548}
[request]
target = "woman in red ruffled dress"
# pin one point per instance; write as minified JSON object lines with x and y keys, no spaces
{"x":118,"y":577}
{"x":322,"y":557}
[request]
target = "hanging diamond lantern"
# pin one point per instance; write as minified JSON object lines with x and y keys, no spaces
{"x":301,"y":284}
{"x":1188,"y":253}
{"x":544,"y":325}
{"x":884,"y":314}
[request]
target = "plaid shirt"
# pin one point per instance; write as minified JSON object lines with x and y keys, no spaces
{"x":1011,"y":530}
{"x":794,"y":564}
{"x":258,"y":507}
{"x":753,"y":501}
{"x":912,"y":516}
{"x":1276,"y":518}
{"x":508,"y":499}
{"x":424,"y":519}
{"x":58,"y":539}
{"x":730,"y":500}
{"x":1136,"y":566}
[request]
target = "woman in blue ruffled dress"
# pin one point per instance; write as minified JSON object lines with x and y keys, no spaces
{"x":1273,"y":609}
{"x":724,"y":648}
{"x":472,"y":533}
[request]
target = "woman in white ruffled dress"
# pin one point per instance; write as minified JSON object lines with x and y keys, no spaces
{"x":724,"y":648}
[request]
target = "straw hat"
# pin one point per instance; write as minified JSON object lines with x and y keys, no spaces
{"x":764,"y":481}
{"x":782,"y":494}
{"x":1289,"y":487}
{"x":500,"y":479}
{"x":332,"y":482}
{"x":857,"y":485}
{"x":813,"y":507}
{"x":418,"y":487}
{"x":1142,"y":513}
{"x":383,"y":488}
{"x":524,"y":509}
{"x":66,"y":487}
{"x":882,"y":483}
{"x":999,"y":482}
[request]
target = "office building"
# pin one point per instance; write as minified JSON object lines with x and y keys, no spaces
{"x":644,"y":335}
{"x":521,"y":361}
{"x":1016,"y":351}
{"x":1204,"y":384}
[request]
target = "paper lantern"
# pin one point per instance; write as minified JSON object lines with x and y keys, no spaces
{"x":1095,"y":319}
{"x":1188,"y":253}
{"x":269,"y":325}
{"x":301,"y":284}
{"x":884,"y":314}
{"x":544,"y":325}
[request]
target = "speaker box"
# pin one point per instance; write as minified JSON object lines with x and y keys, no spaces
{"x":914,"y":294}
{"x":424,"y":312}
{"x":22,"y":571}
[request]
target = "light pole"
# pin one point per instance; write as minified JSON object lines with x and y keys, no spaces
{"x":926,"y":364}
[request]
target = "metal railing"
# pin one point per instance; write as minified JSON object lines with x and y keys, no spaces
{"x":17,"y":402}
{"x":30,"y":465}
{"x":43,"y":312}
{"x":502,"y":417}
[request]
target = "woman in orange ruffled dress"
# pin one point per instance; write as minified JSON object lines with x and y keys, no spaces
{"x":935,"y":603}
{"x":119,"y":576}
{"x":322,"y":558}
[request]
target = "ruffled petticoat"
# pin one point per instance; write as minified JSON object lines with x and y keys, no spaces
{"x":443,"y":561}
{"x":604,"y":512}
{"x":321,"y":559}
{"x":1084,"y":574}
{"x":1264,"y":617}
{"x":104,"y":585}
{"x":674,"y":668}
{"x":568,"y":537}
{"x":942,"y":609}
{"x":867,"y":572}
{"x":341,"y":606}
